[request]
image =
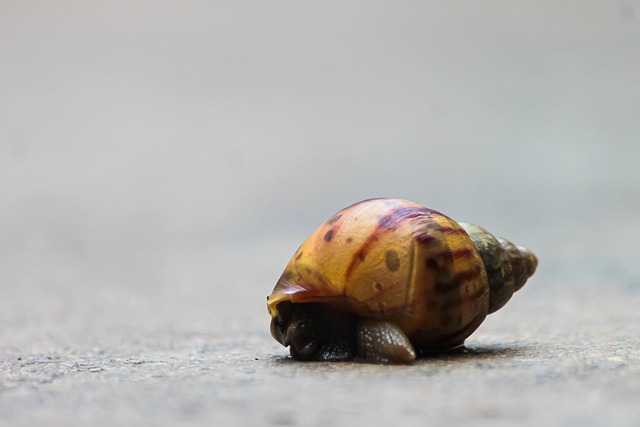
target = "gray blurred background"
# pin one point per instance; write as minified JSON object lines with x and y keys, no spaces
{"x":161,"y":161}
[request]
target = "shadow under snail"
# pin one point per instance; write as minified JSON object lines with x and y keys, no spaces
{"x":387,"y":280}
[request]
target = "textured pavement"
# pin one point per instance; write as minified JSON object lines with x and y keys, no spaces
{"x":551,"y":358}
{"x":159,"y":164}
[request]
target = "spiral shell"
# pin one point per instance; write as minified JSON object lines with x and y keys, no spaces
{"x":386,"y":279}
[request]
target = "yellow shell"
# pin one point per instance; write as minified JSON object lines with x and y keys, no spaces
{"x":395,"y":261}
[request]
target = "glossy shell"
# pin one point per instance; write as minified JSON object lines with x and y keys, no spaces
{"x":397,"y":260}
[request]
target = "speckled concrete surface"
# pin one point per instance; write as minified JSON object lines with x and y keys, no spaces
{"x":530,"y":372}
{"x":159,"y":164}
{"x":562,"y":352}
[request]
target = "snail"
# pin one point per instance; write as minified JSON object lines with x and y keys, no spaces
{"x":388,"y":280}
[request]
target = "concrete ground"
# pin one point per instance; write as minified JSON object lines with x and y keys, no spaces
{"x":159,"y":164}
{"x":560,"y":353}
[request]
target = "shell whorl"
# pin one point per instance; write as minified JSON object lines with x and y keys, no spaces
{"x":508,"y":266}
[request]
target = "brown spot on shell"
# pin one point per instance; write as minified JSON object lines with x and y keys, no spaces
{"x":349,"y":239}
{"x":391,"y":260}
{"x":432,"y":263}
{"x":328,"y":236}
{"x":377,"y":286}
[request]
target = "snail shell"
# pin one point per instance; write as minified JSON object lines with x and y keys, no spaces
{"x":385,"y":280}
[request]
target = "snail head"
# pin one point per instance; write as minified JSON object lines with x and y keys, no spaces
{"x":315,"y":331}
